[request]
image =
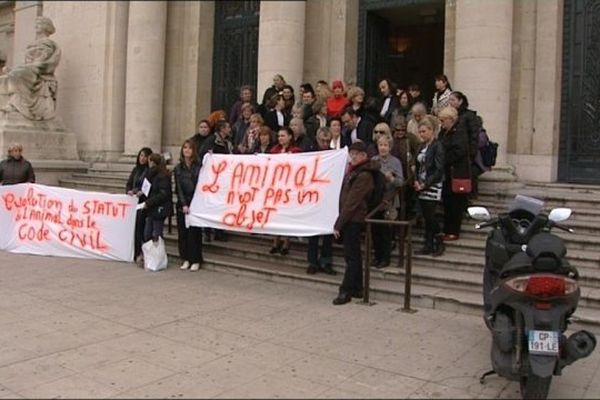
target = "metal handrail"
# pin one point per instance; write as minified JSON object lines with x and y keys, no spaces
{"x":407,"y":260}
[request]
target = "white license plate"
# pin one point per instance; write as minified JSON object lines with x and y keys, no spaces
{"x":543,"y":342}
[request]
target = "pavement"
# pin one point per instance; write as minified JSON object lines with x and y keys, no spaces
{"x":75,"y":328}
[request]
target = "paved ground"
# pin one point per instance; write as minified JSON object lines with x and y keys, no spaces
{"x":90,"y":329}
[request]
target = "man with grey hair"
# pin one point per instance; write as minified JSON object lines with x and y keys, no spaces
{"x":301,"y":139}
{"x":15,"y":169}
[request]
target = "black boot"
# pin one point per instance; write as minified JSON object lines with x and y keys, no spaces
{"x":438,"y":245}
{"x":427,"y":246}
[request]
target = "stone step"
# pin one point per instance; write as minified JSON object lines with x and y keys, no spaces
{"x":89,"y":185}
{"x":113,"y":166}
{"x":422,"y":296}
{"x":101,"y":178}
{"x":455,"y":270}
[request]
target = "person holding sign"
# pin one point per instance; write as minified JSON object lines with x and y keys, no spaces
{"x":186,"y":177}
{"x":15,"y":169}
{"x":134,"y":188}
{"x":356,"y":190}
{"x":159,"y":204}
{"x":285,"y":139}
{"x":322,"y":264}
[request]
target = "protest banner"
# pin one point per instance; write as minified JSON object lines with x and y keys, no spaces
{"x":280,"y":194}
{"x":53,"y":221}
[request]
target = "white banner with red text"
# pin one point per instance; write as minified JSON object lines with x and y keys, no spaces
{"x":53,"y":221}
{"x":280,"y":194}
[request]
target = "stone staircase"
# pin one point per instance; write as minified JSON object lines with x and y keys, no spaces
{"x":451,"y":282}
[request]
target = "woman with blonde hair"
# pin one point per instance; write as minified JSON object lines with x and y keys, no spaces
{"x":379,"y":130}
{"x":356,"y":98}
{"x":428,"y":184}
{"x":455,"y":141}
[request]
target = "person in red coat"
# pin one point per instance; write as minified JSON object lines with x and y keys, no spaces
{"x":337,"y":102}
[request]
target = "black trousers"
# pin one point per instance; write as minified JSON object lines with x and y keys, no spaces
{"x":189,"y":240}
{"x":326,"y":250}
{"x":382,"y":239}
{"x":432,"y":227}
{"x":353,"y":275}
{"x":455,"y":206}
{"x":138,"y":237}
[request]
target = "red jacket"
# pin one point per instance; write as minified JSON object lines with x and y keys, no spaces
{"x":335,"y":105}
{"x":291,"y":149}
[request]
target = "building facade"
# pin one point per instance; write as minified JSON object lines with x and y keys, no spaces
{"x":144,"y":73}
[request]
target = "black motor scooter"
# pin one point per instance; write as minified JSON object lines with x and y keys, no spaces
{"x":530,"y":293}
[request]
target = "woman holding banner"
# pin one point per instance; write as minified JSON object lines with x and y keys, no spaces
{"x":285,"y":139}
{"x":159,"y":204}
{"x":134,"y":188}
{"x":186,"y":177}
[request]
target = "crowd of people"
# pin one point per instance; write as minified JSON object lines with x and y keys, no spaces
{"x":424,"y":151}
{"x":420,"y":147}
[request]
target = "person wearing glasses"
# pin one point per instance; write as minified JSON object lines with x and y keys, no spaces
{"x":379,"y":130}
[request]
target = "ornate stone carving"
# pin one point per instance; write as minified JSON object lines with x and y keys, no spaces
{"x":32,"y":86}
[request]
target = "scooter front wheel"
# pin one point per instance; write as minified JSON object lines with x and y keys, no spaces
{"x":534,"y":387}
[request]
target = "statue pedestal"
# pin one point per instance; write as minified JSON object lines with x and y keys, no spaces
{"x":50,"y":148}
{"x":41,"y":140}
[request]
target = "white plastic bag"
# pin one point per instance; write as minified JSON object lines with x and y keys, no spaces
{"x":155,"y":255}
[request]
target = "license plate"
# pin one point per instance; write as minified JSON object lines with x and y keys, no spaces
{"x":543,"y":342}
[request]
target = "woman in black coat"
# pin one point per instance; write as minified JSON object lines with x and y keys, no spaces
{"x":186,"y":177}
{"x":428,"y":183}
{"x":134,"y":188}
{"x":455,"y":140}
{"x":159,"y":204}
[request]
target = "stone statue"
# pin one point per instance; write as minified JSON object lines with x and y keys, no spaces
{"x":32,"y":86}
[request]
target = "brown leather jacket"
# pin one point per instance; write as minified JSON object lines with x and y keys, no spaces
{"x":356,"y":189}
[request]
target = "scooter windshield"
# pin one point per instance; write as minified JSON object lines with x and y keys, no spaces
{"x":526,"y":204}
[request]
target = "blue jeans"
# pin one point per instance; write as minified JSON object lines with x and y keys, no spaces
{"x":153,"y":228}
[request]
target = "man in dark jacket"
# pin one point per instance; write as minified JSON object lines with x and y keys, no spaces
{"x":355,"y":127}
{"x":15,"y":169}
{"x":356,"y":190}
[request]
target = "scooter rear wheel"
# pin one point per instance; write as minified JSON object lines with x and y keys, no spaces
{"x":534,"y":387}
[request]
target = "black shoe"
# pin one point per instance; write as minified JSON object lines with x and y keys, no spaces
{"x":383,"y":264}
{"x":328,"y":270}
{"x":438,"y":249}
{"x":342,"y":299}
{"x":358,"y":294}
{"x":374,"y":262}
{"x":275,"y":249}
{"x":207,"y":238}
{"x":221,"y":237}
{"x":311,"y":270}
{"x":285,"y":251}
{"x":424,"y":251}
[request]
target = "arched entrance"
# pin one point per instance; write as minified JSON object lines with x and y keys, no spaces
{"x":235,"y":57}
{"x":402,"y":40}
{"x":579,"y":154}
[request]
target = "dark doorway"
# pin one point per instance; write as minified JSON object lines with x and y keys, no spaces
{"x":579,"y":154}
{"x":235,"y":50}
{"x":402,"y":40}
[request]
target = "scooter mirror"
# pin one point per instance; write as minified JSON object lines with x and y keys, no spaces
{"x":479,"y":213}
{"x":559,"y":214}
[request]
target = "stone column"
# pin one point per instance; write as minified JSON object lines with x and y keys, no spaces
{"x":145,"y":75}
{"x":280,"y":43}
{"x":482,"y":68}
{"x":25,"y":14}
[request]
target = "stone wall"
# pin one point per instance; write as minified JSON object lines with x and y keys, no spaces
{"x":188,"y":69}
{"x":91,"y":74}
{"x":7,"y":32}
